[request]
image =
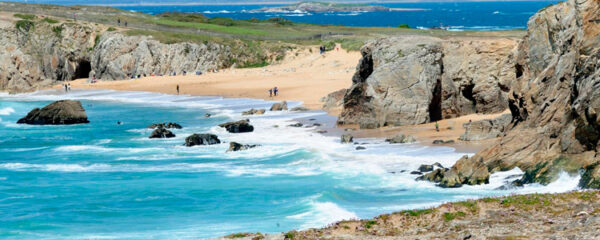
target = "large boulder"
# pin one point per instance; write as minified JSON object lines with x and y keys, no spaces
{"x":201,"y":139}
{"x":234,"y":147}
{"x":486,"y":129}
{"x":282,"y":106}
{"x":554,"y":103}
{"x":346,"y":138}
{"x":161,"y":133}
{"x":401,"y":139}
{"x":241,"y":126}
{"x":57,"y":113}
{"x":413,"y":80}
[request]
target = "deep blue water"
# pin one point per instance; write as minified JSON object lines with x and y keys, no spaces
{"x":455,"y":15}
{"x":107,"y":181}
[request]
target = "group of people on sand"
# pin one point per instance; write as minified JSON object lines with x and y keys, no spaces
{"x":67,"y":87}
{"x":273,"y":92}
{"x":119,"y":22}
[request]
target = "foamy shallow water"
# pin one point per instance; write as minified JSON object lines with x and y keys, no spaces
{"x":107,"y":181}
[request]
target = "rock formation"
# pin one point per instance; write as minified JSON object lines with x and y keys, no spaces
{"x":241,"y":126}
{"x":401,"y":139}
{"x":347,"y":138}
{"x":57,"y":113}
{"x":486,"y":129}
{"x":234,"y":147}
{"x":166,"y":125}
{"x":554,"y":103}
{"x":201,"y":139}
{"x":415,"y":79}
{"x":161,"y":133}
{"x":282,"y":106}
{"x":42,"y":53}
{"x":254,"y":112}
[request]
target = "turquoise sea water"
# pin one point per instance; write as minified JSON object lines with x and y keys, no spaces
{"x":107,"y":181}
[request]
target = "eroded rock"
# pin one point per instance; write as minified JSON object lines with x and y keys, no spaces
{"x":282,"y":106}
{"x":201,"y":139}
{"x":234,"y":147}
{"x":61,"y":112}
{"x":241,"y":126}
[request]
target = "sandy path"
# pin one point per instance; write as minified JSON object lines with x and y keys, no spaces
{"x":302,"y":76}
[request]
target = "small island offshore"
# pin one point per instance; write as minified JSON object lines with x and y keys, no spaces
{"x":120,"y":124}
{"x":321,"y":7}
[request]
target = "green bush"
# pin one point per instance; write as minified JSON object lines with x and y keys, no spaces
{"x":329,"y":45}
{"x":111,"y":29}
{"x":50,"y":20}
{"x":449,"y":216}
{"x":404,"y":26}
{"x":24,"y":16}
{"x":25,"y":25}
{"x":57,"y":30}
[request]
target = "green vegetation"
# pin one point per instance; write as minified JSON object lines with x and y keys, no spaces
{"x":50,"y":20}
{"x":419,"y":212}
{"x":449,"y":216}
{"x":237,"y":235}
{"x":405,"y":26}
{"x":289,"y":235}
{"x":24,"y":16}
{"x":25,"y":25}
{"x":370,"y":224}
{"x":57,"y":31}
{"x":111,"y":29}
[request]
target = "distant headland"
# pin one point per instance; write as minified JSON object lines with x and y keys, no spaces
{"x":319,"y":7}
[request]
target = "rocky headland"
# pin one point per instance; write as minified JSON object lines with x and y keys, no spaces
{"x":318,"y":7}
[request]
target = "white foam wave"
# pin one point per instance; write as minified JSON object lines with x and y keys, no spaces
{"x":322,"y":213}
{"x":7,"y":111}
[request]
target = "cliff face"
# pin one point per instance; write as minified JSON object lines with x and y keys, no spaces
{"x":39,"y":55}
{"x":413,"y":80}
{"x":554,"y":103}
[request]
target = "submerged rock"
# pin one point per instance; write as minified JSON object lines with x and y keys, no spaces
{"x":241,"y":126}
{"x":162,"y":133}
{"x":282,"y":106}
{"x":296,"y":125}
{"x":425,"y":168}
{"x":201,"y":139}
{"x":299,"y":109}
{"x":62,"y":112}
{"x":234,"y":147}
{"x":361,"y":148}
{"x":439,"y":141}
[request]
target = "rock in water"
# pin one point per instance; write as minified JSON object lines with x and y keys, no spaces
{"x":57,"y":113}
{"x":279,"y":106}
{"x":234,"y":147}
{"x":241,"y":126}
{"x":299,"y":109}
{"x":254,"y":112}
{"x":162,"y":133}
{"x":347,"y":138}
{"x":201,"y":139}
{"x":426,"y":168}
{"x":401,"y":139}
{"x":166,"y":125}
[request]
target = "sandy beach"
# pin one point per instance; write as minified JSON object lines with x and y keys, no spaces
{"x":303,"y":75}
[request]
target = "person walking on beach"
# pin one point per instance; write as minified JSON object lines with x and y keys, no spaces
{"x":275,"y":91}
{"x":270,"y":92}
{"x":437,"y":127}
{"x":177,"y":89}
{"x":68,"y":87}
{"x":65,"y":85}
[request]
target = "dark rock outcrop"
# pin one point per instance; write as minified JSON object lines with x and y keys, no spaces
{"x":282,"y":106}
{"x":554,"y":104}
{"x":168,"y":125}
{"x":57,"y":113}
{"x":299,"y":109}
{"x":234,"y":147}
{"x":161,"y":133}
{"x":486,"y":129}
{"x":201,"y":139}
{"x":414,"y":80}
{"x":241,"y":126}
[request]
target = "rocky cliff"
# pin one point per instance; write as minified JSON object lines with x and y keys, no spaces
{"x":554,"y":103}
{"x":37,"y":53}
{"x":415,"y":79}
